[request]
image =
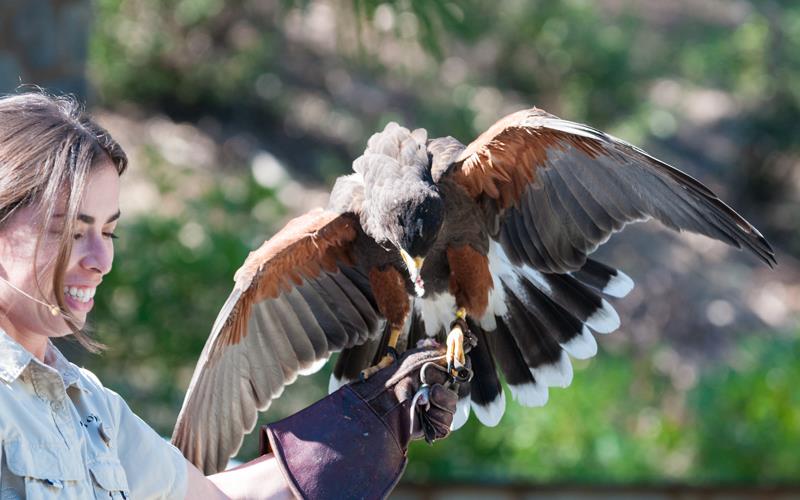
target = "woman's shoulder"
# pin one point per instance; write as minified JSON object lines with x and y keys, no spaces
{"x":88,"y":378}
{"x":93,"y":389}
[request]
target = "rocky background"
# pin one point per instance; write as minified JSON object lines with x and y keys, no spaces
{"x":45,"y":42}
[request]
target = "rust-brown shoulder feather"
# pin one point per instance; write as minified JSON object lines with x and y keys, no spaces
{"x":503,"y":160}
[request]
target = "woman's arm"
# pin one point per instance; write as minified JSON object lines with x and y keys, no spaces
{"x":259,"y":478}
{"x":352,"y":443}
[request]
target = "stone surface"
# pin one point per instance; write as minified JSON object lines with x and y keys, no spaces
{"x":73,"y":32}
{"x":10,"y":72}
{"x":34,"y":34}
{"x":44,"y":43}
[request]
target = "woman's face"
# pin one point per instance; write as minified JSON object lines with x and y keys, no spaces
{"x":27,"y":321}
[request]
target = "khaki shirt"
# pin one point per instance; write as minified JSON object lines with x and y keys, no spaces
{"x":64,"y":435}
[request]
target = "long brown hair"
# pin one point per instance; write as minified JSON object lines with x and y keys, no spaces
{"x":48,"y":146}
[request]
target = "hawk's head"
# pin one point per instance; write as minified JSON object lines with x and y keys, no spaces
{"x":418,"y":224}
{"x":402,"y":206}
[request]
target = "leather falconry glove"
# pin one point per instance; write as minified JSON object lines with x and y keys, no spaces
{"x":353,"y":443}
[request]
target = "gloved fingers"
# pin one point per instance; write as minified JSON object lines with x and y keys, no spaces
{"x":420,"y":404}
{"x":412,"y":361}
{"x":433,"y":373}
{"x":442,"y":405}
{"x":437,"y":415}
{"x":425,"y":428}
{"x":405,"y":388}
{"x":403,"y":377}
{"x":397,"y":374}
{"x":431,"y":428}
{"x":443,"y":398}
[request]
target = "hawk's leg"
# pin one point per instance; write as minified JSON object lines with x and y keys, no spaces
{"x":456,"y":350}
{"x":470,"y":283}
{"x":387,"y":359}
{"x":389,"y":288}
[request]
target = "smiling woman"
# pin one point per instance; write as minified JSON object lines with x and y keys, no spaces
{"x":49,"y":155}
{"x":91,"y":253}
{"x":59,"y":207}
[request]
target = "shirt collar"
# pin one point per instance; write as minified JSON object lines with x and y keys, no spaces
{"x":68,"y":371}
{"x":14,"y":359}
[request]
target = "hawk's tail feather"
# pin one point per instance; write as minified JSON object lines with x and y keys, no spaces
{"x":547,"y":317}
{"x":486,"y":394}
{"x":463,"y":406}
{"x":606,"y":279}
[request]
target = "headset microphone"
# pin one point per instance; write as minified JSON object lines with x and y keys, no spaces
{"x":54,"y":309}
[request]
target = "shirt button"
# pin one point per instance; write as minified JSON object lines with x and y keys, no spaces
{"x":56,"y":483}
{"x":56,"y":406}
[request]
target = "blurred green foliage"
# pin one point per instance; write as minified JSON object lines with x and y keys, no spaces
{"x":255,"y":69}
{"x":749,"y":414}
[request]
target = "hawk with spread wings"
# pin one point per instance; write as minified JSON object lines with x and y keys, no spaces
{"x":429,"y":231}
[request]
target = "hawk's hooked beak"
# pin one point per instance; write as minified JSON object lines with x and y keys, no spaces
{"x":414,"y":265}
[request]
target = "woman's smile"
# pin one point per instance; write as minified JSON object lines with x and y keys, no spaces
{"x":79,"y":298}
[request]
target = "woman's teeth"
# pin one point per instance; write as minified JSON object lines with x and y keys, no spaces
{"x":80,"y":294}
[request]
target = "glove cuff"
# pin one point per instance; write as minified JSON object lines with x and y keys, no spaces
{"x":336,"y":448}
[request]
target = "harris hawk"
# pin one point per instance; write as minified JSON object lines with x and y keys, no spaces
{"x":428,"y":231}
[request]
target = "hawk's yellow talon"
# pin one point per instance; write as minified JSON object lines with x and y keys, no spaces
{"x":455,"y":348}
{"x":385,"y":361}
{"x":372,"y":370}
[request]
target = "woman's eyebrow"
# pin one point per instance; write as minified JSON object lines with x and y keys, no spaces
{"x":88,"y":219}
